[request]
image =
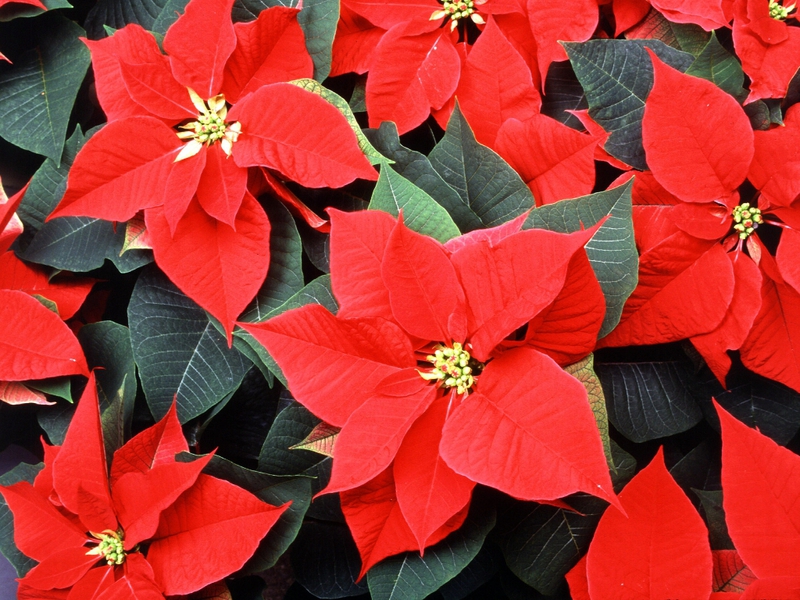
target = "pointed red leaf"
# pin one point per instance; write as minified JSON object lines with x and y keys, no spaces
{"x":775,"y":169}
{"x":81,"y":461}
{"x":140,"y":498}
{"x":233,"y":522}
{"x":601,"y":136}
{"x":424,"y":291}
{"x":39,"y":528}
{"x":332,"y":365}
{"x":199,"y":44}
{"x":567,"y":329}
{"x":428,"y":491}
{"x":113,"y":178}
{"x":698,"y":140}
{"x":371,"y":437}
{"x":773,"y":347}
{"x":25,"y":592}
{"x":685,"y":288}
{"x":10,"y":224}
{"x":34,"y":341}
{"x":708,"y":14}
{"x":136,"y":583}
{"x":528,"y":431}
{"x":216,"y":266}
{"x":182,"y":184}
{"x":268,"y":50}
{"x":761,"y":484}
{"x":152,"y":86}
{"x":555,"y":161}
{"x":490,"y":235}
{"x":496,"y":85}
{"x":781,"y":588}
{"x":354,"y":43}
{"x":61,"y":569}
{"x":405,"y":91}
{"x":67,"y":294}
{"x":528,"y":271}
{"x":15,"y":393}
{"x":358,"y":242}
{"x":628,"y":13}
{"x":276,"y":134}
{"x":786,"y":257}
{"x":769,"y":66}
{"x":43,"y":483}
{"x":221,"y":187}
{"x":578,"y":583}
{"x":660,"y":550}
{"x":389,"y":13}
{"x":95,"y":511}
{"x":738,"y":320}
{"x":551,"y":22}
{"x":155,"y":446}
{"x":131,"y":44}
{"x":92,"y":584}
{"x":730,"y":573}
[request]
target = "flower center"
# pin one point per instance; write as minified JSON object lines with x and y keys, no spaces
{"x":210,"y":127}
{"x":746,"y":220}
{"x":457,"y":10}
{"x":778,"y":11}
{"x":111,"y":546}
{"x":452,"y":368}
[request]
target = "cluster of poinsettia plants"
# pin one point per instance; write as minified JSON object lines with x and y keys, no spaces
{"x":410,"y":299}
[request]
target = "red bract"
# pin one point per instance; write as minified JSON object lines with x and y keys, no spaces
{"x":695,"y":279}
{"x":159,"y":527}
{"x":434,"y":380}
{"x":175,"y":148}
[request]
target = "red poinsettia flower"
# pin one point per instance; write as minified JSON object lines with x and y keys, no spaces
{"x":705,"y":273}
{"x":184,"y":128}
{"x":660,"y":548}
{"x":442,"y":369}
{"x":151,"y":528}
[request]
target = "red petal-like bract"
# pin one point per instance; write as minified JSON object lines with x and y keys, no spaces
{"x":10,"y":224}
{"x":405,"y":91}
{"x":220,"y":190}
{"x":276,"y":134}
{"x":424,"y":291}
{"x":786,"y":257}
{"x":389,"y":13}
{"x":68,"y":294}
{"x":358,"y":242}
{"x":268,"y":50}
{"x":61,"y":569}
{"x":769,"y":66}
{"x":81,"y":462}
{"x":371,"y":437}
{"x":155,"y":446}
{"x":120,"y":171}
{"x":428,"y":491}
{"x":578,"y":583}
{"x":232,"y":522}
{"x":775,"y":169}
{"x":660,"y":550}
{"x":496,"y":85}
{"x":628,"y":13}
{"x":706,"y":13}
{"x":199,"y":44}
{"x":551,"y":22}
{"x":354,"y":43}
{"x":12,"y":392}
{"x":761,"y":485}
{"x":219,"y":267}
{"x":34,"y":341}
{"x":528,"y":431}
{"x":698,"y":140}
{"x":555,"y":161}
{"x":332,"y":365}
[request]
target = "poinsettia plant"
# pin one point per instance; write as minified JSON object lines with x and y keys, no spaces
{"x":437,"y":293}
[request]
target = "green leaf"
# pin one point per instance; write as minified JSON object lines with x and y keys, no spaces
{"x":21,"y":563}
{"x":374,"y":157}
{"x":715,"y":517}
{"x":480,"y":570}
{"x":292,"y":425}
{"x":420,"y":212}
{"x":13,"y":11}
{"x":612,"y":249}
{"x":325,"y":560}
{"x":541,"y":543}
{"x":318,"y":19}
{"x":316,"y":292}
{"x":285,"y":275}
{"x":617,"y":76}
{"x":583,"y":371}
{"x":60,"y":387}
{"x":178,"y":351}
{"x":358,"y":101}
{"x":687,"y":37}
{"x":272,"y":490}
{"x":108,"y":345}
{"x":153,"y":15}
{"x":562,"y":93}
{"x":720,"y":67}
{"x":37,"y":92}
{"x":409,"y":576}
{"x":416,"y":167}
{"x":649,"y":400}
{"x":82,"y":244}
{"x":489,"y":188}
